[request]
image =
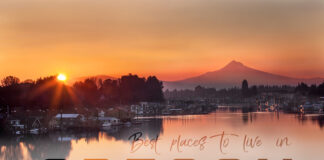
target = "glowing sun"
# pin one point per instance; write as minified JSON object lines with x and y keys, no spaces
{"x":61,"y":77}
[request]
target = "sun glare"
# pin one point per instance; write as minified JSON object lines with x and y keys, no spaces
{"x":61,"y":77}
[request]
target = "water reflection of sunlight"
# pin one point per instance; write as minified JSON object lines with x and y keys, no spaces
{"x":19,"y":151}
{"x":24,"y":150}
{"x":3,"y":148}
{"x":104,"y":147}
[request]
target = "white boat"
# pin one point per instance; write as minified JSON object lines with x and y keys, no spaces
{"x":34,"y":131}
{"x":106,"y":124}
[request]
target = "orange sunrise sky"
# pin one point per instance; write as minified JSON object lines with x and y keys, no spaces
{"x":172,"y":39}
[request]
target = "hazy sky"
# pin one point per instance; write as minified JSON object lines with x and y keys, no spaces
{"x":173,"y":39}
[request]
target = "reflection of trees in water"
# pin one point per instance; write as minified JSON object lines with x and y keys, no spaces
{"x":249,"y":117}
{"x":58,"y":144}
{"x":301,"y":119}
{"x":150,"y":129}
{"x":45,"y":147}
{"x":10,"y":148}
{"x":40,"y":147}
{"x":245,"y":118}
{"x":319,"y":120}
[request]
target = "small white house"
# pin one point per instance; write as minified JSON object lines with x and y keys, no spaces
{"x":69,"y":119}
{"x":145,"y":108}
{"x":318,"y":106}
{"x":101,"y":114}
{"x":111,"y":120}
{"x":15,"y":123}
{"x":137,"y":109}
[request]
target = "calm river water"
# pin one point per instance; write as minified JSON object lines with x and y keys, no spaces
{"x":201,"y":137}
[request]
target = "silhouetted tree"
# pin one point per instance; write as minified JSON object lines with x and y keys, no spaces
{"x":320,"y":89}
{"x":10,"y":92}
{"x":245,"y":88}
{"x":313,"y":90}
{"x":87,"y":92}
{"x":50,"y":94}
{"x":154,"y":89}
{"x":128,"y":89}
{"x":254,"y":90}
{"x":9,"y":81}
{"x":302,"y":88}
{"x":43,"y":92}
{"x":132,"y":88}
{"x":110,"y":91}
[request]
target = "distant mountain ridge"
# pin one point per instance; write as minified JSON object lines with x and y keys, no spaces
{"x":233,"y":74}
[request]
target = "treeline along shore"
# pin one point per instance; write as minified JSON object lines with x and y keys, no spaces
{"x":47,"y":97}
{"x":48,"y":103}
